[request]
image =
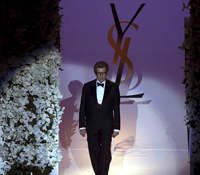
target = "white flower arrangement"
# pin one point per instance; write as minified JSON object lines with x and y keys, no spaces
{"x":191,"y":45}
{"x":30,"y":111}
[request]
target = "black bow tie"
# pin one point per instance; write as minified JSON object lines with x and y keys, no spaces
{"x":100,"y":84}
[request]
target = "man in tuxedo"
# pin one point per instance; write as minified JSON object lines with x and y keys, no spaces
{"x":99,"y":117}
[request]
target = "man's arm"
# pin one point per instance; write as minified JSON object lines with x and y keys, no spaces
{"x":116,"y":113}
{"x":82,"y":128}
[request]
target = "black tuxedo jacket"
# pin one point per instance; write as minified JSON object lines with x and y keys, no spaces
{"x":94,"y":117}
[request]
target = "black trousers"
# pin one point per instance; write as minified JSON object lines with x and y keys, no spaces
{"x":99,"y":145}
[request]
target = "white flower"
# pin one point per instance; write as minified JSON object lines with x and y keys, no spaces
{"x":34,"y":78}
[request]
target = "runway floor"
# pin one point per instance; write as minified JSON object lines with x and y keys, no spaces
{"x":131,"y":162}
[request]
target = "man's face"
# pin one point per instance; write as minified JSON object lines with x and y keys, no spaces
{"x":101,"y":74}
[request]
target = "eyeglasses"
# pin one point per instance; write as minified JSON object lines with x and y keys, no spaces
{"x":101,"y":73}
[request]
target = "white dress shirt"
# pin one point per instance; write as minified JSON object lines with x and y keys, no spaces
{"x":100,"y":92}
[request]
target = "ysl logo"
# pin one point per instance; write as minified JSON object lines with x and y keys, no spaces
{"x":117,"y":46}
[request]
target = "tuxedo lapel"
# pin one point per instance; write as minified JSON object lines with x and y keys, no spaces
{"x":107,"y":91}
{"x":93,"y":90}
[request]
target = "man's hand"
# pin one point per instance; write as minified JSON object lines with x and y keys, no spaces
{"x":115,"y":134}
{"x":82,"y":132}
